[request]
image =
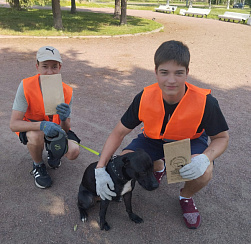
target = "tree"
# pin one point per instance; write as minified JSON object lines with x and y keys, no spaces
{"x":116,"y":9}
{"x":19,"y":4}
{"x":73,"y":7}
{"x":56,"y":10}
{"x":123,"y":12}
{"x":57,"y":17}
{"x":228,"y":4}
{"x":15,"y":4}
{"x":120,"y":11}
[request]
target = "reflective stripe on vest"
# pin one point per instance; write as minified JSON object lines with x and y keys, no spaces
{"x":185,"y":119}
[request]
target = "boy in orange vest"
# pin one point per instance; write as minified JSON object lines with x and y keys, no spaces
{"x":170,"y":110}
{"x":29,"y":121}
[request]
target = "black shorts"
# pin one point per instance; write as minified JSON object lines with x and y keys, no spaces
{"x":155,"y":147}
{"x":71,"y":136}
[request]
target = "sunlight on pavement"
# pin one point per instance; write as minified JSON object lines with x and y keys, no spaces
{"x":57,"y":206}
{"x":73,"y":85}
{"x":94,"y":224}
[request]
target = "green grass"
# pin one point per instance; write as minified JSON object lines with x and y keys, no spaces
{"x":152,"y":4}
{"x":34,"y":22}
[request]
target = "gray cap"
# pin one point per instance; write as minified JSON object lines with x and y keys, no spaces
{"x":48,"y":53}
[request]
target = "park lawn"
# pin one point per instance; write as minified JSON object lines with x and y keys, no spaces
{"x":143,"y":5}
{"x":39,"y":22}
{"x":151,"y":5}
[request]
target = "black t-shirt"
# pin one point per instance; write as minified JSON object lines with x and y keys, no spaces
{"x":213,"y":120}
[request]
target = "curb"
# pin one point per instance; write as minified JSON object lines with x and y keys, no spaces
{"x":83,"y":37}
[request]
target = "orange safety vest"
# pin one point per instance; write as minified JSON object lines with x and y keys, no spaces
{"x":34,"y":98}
{"x":185,"y":119}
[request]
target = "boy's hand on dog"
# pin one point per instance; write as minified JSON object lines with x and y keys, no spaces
{"x":103,"y":180}
{"x":196,"y":168}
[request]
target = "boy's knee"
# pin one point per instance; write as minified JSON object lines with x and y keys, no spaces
{"x":158,"y":165}
{"x":35,"y":137}
{"x":72,"y":154}
{"x":73,"y":150}
{"x":208,"y":175}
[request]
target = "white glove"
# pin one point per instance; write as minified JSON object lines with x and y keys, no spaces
{"x":196,"y":168}
{"x":103,"y":180}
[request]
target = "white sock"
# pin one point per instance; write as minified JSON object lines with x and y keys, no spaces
{"x":184,"y":197}
{"x":37,"y":164}
{"x":161,"y":170}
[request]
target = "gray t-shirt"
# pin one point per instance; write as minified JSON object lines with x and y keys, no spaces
{"x":20,"y":103}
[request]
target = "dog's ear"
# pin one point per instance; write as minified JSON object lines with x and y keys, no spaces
{"x":126,"y":161}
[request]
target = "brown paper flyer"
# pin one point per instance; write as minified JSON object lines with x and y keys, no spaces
{"x":177,"y":154}
{"x":52,"y":90}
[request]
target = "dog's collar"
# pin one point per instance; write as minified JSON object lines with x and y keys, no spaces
{"x":119,"y":172}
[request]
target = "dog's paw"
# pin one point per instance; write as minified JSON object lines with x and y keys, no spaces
{"x":105,"y":226}
{"x":135,"y":218}
{"x":84,"y":219}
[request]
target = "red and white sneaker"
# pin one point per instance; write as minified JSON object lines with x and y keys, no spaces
{"x":191,"y":214}
{"x":159,"y":175}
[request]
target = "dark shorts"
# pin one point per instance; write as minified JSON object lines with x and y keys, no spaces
{"x":155,"y":147}
{"x":71,"y":135}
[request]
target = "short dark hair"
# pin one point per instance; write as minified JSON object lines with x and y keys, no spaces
{"x":172,"y":51}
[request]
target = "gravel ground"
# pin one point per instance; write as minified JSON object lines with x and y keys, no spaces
{"x":106,"y":73}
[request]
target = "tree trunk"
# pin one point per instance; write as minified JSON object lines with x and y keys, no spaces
{"x":57,"y":17}
{"x":228,"y":3}
{"x":73,"y":7}
{"x":117,"y":9}
{"x":167,"y":2}
{"x":123,"y":12}
{"x":15,"y":4}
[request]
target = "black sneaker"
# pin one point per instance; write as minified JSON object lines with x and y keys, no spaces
{"x":42,"y":179}
{"x":53,"y":163}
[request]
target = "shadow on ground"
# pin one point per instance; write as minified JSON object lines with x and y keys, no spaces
{"x":104,"y":85}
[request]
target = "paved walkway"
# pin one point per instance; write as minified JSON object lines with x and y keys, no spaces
{"x":106,"y":74}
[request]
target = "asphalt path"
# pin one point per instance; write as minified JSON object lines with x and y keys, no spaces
{"x":105,"y":74}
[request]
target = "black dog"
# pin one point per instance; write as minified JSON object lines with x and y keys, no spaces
{"x":124,"y":170}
